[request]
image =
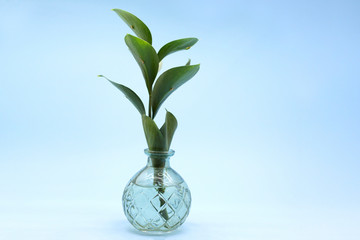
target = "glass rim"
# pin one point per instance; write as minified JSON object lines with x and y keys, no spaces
{"x":159,"y":153}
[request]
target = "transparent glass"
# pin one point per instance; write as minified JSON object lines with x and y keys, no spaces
{"x":157,"y":199}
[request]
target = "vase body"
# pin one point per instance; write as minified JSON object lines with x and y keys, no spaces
{"x":157,"y":199}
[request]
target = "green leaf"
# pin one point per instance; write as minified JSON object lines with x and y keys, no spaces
{"x":168,"y":129}
{"x":188,"y":62}
{"x":146,"y":57}
{"x":168,"y":82}
{"x":177,"y":45}
{"x":154,"y":138}
{"x":129,"y":94}
{"x":139,"y":28}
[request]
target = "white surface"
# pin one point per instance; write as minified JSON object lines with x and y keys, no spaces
{"x":58,"y":221}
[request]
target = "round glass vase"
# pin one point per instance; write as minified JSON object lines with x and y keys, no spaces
{"x":157,"y":199}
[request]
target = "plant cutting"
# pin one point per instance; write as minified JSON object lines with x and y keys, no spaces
{"x":156,"y":198}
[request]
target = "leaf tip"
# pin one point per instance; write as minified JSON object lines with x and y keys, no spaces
{"x":102,"y":76}
{"x":128,"y":36}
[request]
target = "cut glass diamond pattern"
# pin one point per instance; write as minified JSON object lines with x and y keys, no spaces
{"x":150,"y":209}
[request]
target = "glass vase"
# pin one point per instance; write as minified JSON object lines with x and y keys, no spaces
{"x":157,"y":199}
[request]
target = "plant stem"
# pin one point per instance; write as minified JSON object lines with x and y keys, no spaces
{"x":159,"y":181}
{"x":163,"y":212}
{"x":149,"y":105}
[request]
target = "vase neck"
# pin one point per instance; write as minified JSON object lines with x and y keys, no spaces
{"x":159,"y":159}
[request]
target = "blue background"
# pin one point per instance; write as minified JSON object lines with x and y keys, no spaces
{"x":268,"y":135}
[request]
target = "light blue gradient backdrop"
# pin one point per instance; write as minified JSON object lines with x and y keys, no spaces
{"x":273,"y":115}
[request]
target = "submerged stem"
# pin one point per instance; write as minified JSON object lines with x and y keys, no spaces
{"x":159,"y":182}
